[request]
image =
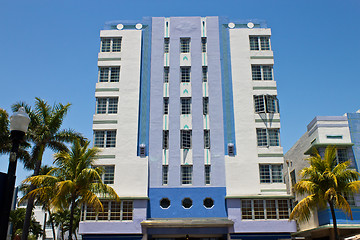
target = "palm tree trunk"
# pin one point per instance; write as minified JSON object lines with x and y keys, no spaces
{"x":72,"y":210}
{"x":44,"y":227}
{"x":52,"y":224}
{"x":331,"y":204}
{"x":30,"y":204}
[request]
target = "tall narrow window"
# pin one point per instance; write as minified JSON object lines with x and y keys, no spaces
{"x":256,"y":72}
{"x":185,"y":74}
{"x":113,"y":105}
{"x":110,"y":139}
{"x":271,"y":104}
{"x":165,"y":139}
{"x":186,"y":174}
{"x":108,"y":175}
{"x":105,"y":44}
{"x":267,"y":72}
{"x":101,"y":105}
{"x":259,"y":209}
{"x":205,"y":105}
{"x":184,"y":45}
{"x":116,"y":46}
{"x":185,"y":139}
{"x":166,"y":105}
{"x":274,"y":137}
{"x":259,"y":104}
{"x":246,"y":209}
{"x":254,"y":44}
{"x":166,"y":45}
{"x":204,"y":74}
{"x":207,"y":139}
{"x":115,"y":74}
{"x":166,"y":74}
{"x":185,"y":105}
{"x":342,"y":155}
{"x":207,"y":174}
{"x":265,"y":43}
{"x":261,"y":137}
{"x":165,"y":174}
{"x":104,"y":74}
{"x":203,"y":44}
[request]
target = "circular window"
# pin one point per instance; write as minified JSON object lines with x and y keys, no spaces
{"x":208,"y":202}
{"x":165,"y":203}
{"x":187,"y":203}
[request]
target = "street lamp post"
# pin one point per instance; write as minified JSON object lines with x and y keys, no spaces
{"x":19,"y":123}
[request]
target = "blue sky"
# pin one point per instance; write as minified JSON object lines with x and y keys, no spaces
{"x":48,"y":49}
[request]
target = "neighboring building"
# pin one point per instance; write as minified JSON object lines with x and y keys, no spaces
{"x":188,"y":120}
{"x":344,"y":133}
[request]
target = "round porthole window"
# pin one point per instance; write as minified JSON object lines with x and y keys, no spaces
{"x":208,"y":203}
{"x":187,"y":203}
{"x":165,"y":203}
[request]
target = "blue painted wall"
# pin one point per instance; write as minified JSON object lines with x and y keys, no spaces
{"x":354,"y":126}
{"x":197,"y":195}
{"x":341,"y":218}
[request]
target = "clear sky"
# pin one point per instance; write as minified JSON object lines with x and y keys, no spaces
{"x":48,"y":49}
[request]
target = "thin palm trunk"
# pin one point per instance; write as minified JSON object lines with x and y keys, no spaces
{"x":52,"y":224}
{"x":331,"y":204}
{"x":72,"y":210}
{"x":44,"y":227}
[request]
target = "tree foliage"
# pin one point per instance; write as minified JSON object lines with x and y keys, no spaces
{"x":17,"y":219}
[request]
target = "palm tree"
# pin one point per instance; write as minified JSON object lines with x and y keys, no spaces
{"x":17,"y":219}
{"x":74,"y":181}
{"x":44,"y":132}
{"x":325,"y":182}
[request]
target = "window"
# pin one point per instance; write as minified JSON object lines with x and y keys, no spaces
{"x":184,"y":45}
{"x":207,"y":174}
{"x":186,"y":174}
{"x":111,"y":44}
{"x":185,"y":74}
{"x":166,"y":105}
{"x":208,"y":203}
{"x":187,"y":203}
{"x":185,"y":105}
{"x":268,"y":137}
{"x":203,"y":44}
{"x":105,"y":138}
{"x":165,"y":203}
{"x":185,"y":140}
{"x":255,"y":209}
{"x":264,"y":42}
{"x":166,"y":74}
{"x":270,"y":173}
{"x":166,"y":45}
{"x":262,"y":72}
{"x":165,"y":139}
{"x":109,"y":74}
{"x":204,"y":74}
{"x":113,"y":211}
{"x":293,"y":177}
{"x":341,"y":155}
{"x":206,"y":139}
{"x":165,"y":174}
{"x":266,"y":104}
{"x":106,"y":105}
{"x":205,"y":105}
{"x":107,"y":175}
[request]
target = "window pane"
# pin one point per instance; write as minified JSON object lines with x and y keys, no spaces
{"x":259,"y":104}
{"x":342,"y":155}
{"x":264,"y":173}
{"x":184,"y":45}
{"x":186,"y":174}
{"x":207,"y":174}
{"x":185,"y":140}
{"x":267,"y":70}
{"x":254,"y":44}
{"x":270,"y":209}
{"x":203,"y":44}
{"x":166,"y":45}
{"x":90,"y":213}
{"x":261,"y":137}
{"x":265,"y":43}
{"x":113,"y":105}
{"x":105,"y":44}
{"x":115,"y":74}
{"x":271,"y":104}
{"x":103,"y":216}
{"x":283,"y":209}
{"x":185,"y":105}
{"x":116,"y":45}
{"x":185,"y":74}
{"x":246,"y":209}
{"x":166,"y":105}
{"x":127,"y":210}
{"x":166,"y":74}
{"x":256,"y":72}
{"x":109,"y":174}
{"x":259,"y":209}
{"x":115,"y":213}
{"x":110,"y":139}
{"x":99,"y":138}
{"x":205,"y":105}
{"x":104,"y":74}
{"x":274,"y":137}
{"x":276,"y":171}
{"x":165,"y":172}
{"x":207,"y":139}
{"x":204,"y":74}
{"x":101,"y":106}
{"x":165,"y":139}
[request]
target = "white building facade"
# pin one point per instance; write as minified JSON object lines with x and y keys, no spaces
{"x":188,"y":121}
